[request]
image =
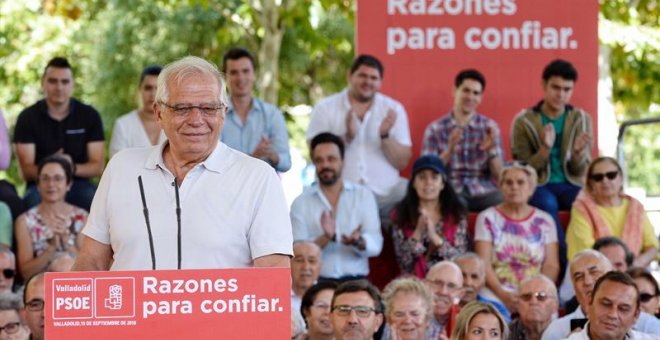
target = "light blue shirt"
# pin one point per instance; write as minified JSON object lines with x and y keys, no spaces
{"x":561,"y":328}
{"x":356,"y":206}
{"x":263,"y":120}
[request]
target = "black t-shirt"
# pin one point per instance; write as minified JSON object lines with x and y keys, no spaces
{"x":81,"y":126}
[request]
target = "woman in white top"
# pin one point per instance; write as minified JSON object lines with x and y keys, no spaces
{"x":139,"y":128}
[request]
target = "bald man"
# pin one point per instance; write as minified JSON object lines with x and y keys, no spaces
{"x":446,"y":282}
{"x":305,"y":269}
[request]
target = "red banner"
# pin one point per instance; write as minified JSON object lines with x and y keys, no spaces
{"x":425,"y":43}
{"x":168,"y":304}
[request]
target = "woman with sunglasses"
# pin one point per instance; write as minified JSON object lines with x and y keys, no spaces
{"x":53,"y":225}
{"x":649,"y":290}
{"x":602,"y":209}
{"x":430,"y":223}
{"x":514,"y":239}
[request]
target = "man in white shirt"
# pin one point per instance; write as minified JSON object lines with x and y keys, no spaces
{"x":305,"y":269}
{"x":208,"y":205}
{"x":374,"y":128}
{"x":613,"y":310}
{"x":340,"y":216}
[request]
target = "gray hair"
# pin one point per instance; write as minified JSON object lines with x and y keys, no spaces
{"x":591,"y":253}
{"x":10,"y":301}
{"x":7,"y":251}
{"x":528,"y":170}
{"x":541,"y":277}
{"x":183,"y":68}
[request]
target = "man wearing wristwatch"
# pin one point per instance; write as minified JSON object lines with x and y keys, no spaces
{"x":374,"y":128}
{"x":469,"y":144}
{"x":338,"y":215}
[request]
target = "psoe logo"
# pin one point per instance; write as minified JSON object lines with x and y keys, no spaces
{"x":113,"y":301}
{"x":115,"y":297}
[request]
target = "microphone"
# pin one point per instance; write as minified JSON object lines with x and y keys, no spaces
{"x":146,"y":220}
{"x":178,"y":222}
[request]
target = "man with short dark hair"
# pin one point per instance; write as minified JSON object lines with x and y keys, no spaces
{"x":613,"y":310}
{"x":616,"y":251}
{"x":374,"y":128}
{"x":537,"y":307}
{"x":252,"y":126}
{"x":555,"y":138}
{"x":62,"y":125}
{"x":340,"y":216}
{"x":468,"y":143}
{"x":356,"y":312}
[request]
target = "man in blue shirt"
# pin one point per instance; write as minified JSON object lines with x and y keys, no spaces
{"x":252,"y":126}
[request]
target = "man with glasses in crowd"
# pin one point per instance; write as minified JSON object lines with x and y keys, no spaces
{"x":33,"y":311}
{"x":214,"y":207}
{"x":446,"y":282}
{"x":8,"y":267}
{"x":537,"y":307}
{"x":356,"y":311}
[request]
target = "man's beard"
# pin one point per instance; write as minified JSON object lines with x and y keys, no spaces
{"x":328,"y":180}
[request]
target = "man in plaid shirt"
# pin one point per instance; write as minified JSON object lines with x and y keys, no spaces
{"x":469,"y":144}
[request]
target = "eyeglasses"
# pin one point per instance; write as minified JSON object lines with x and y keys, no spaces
{"x":321,"y":305}
{"x":35,"y":305}
{"x":11,"y":327}
{"x":8,"y":273}
{"x":646,"y":297}
{"x":439,"y":284}
{"x":599,"y":177}
{"x":540,"y":296}
{"x":183,"y":111}
{"x":361,"y":311}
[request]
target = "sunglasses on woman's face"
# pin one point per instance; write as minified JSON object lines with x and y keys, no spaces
{"x":646,"y":297}
{"x":598,"y":177}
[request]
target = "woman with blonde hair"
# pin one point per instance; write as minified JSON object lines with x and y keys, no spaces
{"x":409,"y":309}
{"x":478,"y":320}
{"x":602,"y":209}
{"x":514,"y":239}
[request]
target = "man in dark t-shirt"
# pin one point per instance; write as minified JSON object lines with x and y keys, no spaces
{"x":62,"y":125}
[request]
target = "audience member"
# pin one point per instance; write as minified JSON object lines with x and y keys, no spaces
{"x":53,"y":225}
{"x":356,"y":310}
{"x":537,"y":307}
{"x":252,"y":126}
{"x":315,"y":308}
{"x":305,"y":269}
{"x":409,"y":310}
{"x":468,"y":143}
{"x":649,"y":290}
{"x":446,"y":282}
{"x":602,"y":209}
{"x":555,"y":138}
{"x":514,"y":239}
{"x":429,"y":224}
{"x":10,"y":204}
{"x":8,"y":268}
{"x":139,"y":128}
{"x":616,"y":251}
{"x":61,"y":262}
{"x":477,"y":321}
{"x":228,"y":208}
{"x":375,"y":129}
{"x":585,"y":269}
{"x":340,"y":216}
{"x":11,"y":325}
{"x":613,"y":310}
{"x":60,"y":125}
{"x":33,"y":310}
{"x":474,"y":280}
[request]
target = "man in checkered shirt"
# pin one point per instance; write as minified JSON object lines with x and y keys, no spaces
{"x":469,"y":144}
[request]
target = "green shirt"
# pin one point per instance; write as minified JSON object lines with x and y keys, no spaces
{"x":556,"y":169}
